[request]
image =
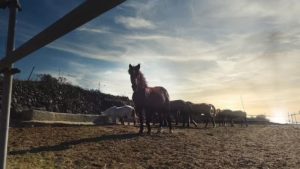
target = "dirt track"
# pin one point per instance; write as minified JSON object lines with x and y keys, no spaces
{"x":120,"y":147}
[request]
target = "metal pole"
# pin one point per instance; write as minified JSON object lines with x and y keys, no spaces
{"x":7,"y":88}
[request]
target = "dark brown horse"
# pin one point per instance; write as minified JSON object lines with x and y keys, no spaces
{"x":182,"y":111}
{"x":206,"y":112}
{"x":228,"y":116}
{"x":150,"y":100}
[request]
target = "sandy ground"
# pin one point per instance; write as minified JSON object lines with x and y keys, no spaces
{"x":272,"y":146}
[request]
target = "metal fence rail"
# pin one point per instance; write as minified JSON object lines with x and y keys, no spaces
{"x":77,"y":17}
{"x":85,"y":12}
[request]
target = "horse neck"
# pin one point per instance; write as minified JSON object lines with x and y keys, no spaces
{"x":142,"y":81}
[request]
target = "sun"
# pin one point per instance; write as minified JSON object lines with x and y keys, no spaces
{"x":279,"y":116}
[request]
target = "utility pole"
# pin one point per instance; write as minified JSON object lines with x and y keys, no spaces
{"x":8,"y":71}
{"x":30,"y":73}
{"x":242,"y":103}
{"x":99,"y":86}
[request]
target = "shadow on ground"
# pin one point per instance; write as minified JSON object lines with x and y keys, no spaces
{"x":66,"y":145}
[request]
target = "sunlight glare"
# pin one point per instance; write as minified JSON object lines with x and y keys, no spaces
{"x":279,"y":116}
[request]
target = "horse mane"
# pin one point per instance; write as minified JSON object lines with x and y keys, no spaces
{"x":142,"y":80}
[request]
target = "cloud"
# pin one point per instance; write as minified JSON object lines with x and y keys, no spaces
{"x":94,"y":30}
{"x":85,"y":51}
{"x":203,"y":51}
{"x":134,"y":22}
{"x":114,"y":81}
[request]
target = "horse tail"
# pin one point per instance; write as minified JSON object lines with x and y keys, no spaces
{"x":167,"y":98}
{"x":214,"y":113}
{"x":167,"y":117}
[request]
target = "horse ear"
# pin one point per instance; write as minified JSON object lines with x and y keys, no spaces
{"x":138,"y":66}
{"x":130,"y":66}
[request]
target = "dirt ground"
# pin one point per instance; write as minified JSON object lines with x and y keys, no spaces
{"x":117,"y":146}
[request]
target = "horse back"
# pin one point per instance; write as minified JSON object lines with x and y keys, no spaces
{"x":157,"y":96}
{"x":202,"y":107}
{"x":176,"y":105}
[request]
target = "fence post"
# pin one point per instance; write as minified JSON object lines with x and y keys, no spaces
{"x":13,"y":5}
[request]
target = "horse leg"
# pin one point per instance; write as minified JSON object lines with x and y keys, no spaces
{"x":176,"y":118}
{"x":148,"y":120}
{"x":165,"y":122}
{"x":169,"y":122}
{"x":206,"y":122}
{"x":134,"y":121}
{"x":122,"y":120}
{"x":154,"y":120}
{"x":192,"y":120}
{"x":213,"y":122}
{"x":140,"y":112}
{"x":195,"y":124}
{"x":160,"y":122}
{"x":189,"y":118}
{"x":184,"y":118}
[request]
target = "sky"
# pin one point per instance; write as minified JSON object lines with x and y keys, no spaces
{"x":236,"y":54}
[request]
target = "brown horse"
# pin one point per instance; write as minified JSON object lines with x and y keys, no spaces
{"x":182,"y":110}
{"x":206,"y":111}
{"x":150,"y":100}
{"x":228,"y":116}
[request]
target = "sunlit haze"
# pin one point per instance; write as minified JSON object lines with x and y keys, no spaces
{"x":236,"y":54}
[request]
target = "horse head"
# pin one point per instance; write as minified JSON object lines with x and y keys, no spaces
{"x":136,"y":77}
{"x":134,"y":73}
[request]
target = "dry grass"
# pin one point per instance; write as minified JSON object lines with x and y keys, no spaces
{"x":120,"y":147}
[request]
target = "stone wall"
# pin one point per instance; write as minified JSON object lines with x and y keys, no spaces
{"x":51,"y":94}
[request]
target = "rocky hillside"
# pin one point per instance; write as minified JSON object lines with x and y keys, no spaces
{"x":52,"y":94}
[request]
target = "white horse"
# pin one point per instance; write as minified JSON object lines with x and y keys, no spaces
{"x":122,"y":113}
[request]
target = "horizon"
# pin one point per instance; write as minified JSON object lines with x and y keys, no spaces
{"x":240,"y":55}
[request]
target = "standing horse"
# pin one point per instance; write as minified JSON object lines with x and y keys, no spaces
{"x":181,"y":111}
{"x":229,"y":116}
{"x":207,"y":111}
{"x":150,"y":100}
{"x":122,"y":113}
